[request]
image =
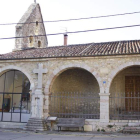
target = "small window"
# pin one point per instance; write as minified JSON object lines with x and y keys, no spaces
{"x":39,"y":44}
{"x":31,"y":40}
{"x":36,"y":23}
{"x":36,"y":28}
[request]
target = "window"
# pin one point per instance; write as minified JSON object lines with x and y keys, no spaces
{"x":31,"y":40}
{"x":36,"y":23}
{"x":39,"y":44}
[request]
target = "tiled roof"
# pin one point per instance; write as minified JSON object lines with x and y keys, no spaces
{"x":82,"y":50}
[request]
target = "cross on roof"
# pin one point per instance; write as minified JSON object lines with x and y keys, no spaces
{"x":35,"y":1}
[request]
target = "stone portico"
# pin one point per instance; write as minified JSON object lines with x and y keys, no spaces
{"x":102,"y":68}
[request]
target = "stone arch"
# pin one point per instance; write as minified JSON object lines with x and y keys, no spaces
{"x":61,"y":69}
{"x":11,"y":67}
{"x":117,"y":70}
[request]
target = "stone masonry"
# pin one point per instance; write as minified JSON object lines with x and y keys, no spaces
{"x":102,"y":68}
{"x":31,"y":25}
{"x":101,"y":64}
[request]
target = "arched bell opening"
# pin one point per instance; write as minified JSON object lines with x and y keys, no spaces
{"x":14,"y":97}
{"x":31,"y":39}
{"x":39,"y":44}
{"x":75,"y":94}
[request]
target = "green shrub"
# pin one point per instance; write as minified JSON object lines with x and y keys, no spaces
{"x":110,"y":126}
{"x":102,"y":130}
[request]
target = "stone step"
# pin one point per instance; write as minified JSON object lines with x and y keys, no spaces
{"x":28,"y":124}
{"x":32,"y":129}
{"x":35,"y":124}
{"x":40,"y":127}
{"x":134,"y":130}
{"x":35,"y":120}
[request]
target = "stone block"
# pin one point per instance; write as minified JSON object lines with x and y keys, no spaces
{"x":88,"y":127}
{"x":134,"y":124}
{"x":104,"y":70}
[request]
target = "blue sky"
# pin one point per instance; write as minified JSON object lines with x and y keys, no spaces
{"x":12,"y":11}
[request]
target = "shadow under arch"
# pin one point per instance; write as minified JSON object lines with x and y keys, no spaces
{"x":57,"y":72}
{"x":114,"y":72}
{"x":125,"y":92}
{"x":75,"y":90}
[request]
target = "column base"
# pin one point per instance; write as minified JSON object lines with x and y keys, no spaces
{"x":104,"y":121}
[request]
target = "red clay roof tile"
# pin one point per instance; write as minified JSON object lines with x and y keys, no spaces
{"x":91,"y":49}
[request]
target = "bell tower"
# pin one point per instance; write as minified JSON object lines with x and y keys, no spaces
{"x":29,"y":28}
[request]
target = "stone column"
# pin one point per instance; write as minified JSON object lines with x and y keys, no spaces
{"x":33,"y":106}
{"x":46,"y":106}
{"x":36,"y":122}
{"x":38,"y":98}
{"x":37,"y":104}
{"x":104,"y":107}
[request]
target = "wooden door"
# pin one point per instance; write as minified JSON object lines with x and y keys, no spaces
{"x":132,"y":93}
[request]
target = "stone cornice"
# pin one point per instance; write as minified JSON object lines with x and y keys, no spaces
{"x":66,"y":58}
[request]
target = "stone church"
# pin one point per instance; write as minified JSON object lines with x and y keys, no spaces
{"x":96,"y":81}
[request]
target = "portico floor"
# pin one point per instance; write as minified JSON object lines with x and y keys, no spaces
{"x":18,"y":134}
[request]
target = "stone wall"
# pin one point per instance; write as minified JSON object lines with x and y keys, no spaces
{"x":118,"y":103}
{"x":118,"y":83}
{"x":104,"y":69}
{"x":76,"y":80}
{"x":32,"y":27}
{"x":69,"y":92}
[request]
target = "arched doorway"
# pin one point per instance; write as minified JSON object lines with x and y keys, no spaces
{"x":14,"y":97}
{"x":125,"y":95}
{"x":75,"y":94}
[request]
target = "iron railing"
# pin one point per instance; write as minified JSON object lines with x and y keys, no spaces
{"x":125,"y":106}
{"x":74,"y":105}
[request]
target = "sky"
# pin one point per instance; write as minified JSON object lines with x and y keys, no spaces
{"x":11,"y":11}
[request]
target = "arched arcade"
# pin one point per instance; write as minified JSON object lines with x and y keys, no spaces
{"x":74,"y":92}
